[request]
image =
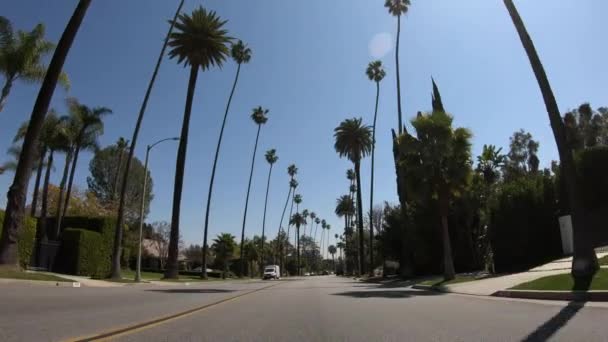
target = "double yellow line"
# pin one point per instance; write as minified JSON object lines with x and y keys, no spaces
{"x":113,"y":333}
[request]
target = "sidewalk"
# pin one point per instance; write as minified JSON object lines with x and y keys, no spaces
{"x":487,"y":287}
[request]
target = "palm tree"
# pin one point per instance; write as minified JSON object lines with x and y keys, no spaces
{"x":585,"y":260}
{"x":398,"y":8}
{"x":21,"y":55}
{"x":259,"y":118}
{"x":490,"y":162}
{"x":200,"y":41}
{"x":13,"y":216}
{"x":354,"y":141}
{"x":375,"y":72}
{"x":271,"y":158}
{"x":54,"y":135}
{"x":297,"y":220}
{"x":292,"y":170}
{"x":332,"y":250}
{"x":121,"y":145}
{"x":438,"y":163}
{"x":305,"y":213}
{"x":317,"y":221}
{"x":313,"y":216}
{"x":345,"y":207}
{"x":223,"y":247}
{"x":321,"y":238}
{"x":123,"y":187}
{"x":240,"y":54}
{"x":70,"y":134}
{"x":294,"y":184}
{"x":89,"y":124}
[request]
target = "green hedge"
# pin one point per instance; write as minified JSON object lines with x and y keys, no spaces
{"x":27,"y":239}
{"x":87,"y":250}
{"x":592,"y":167}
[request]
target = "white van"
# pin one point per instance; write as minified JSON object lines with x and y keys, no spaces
{"x":272,"y":272}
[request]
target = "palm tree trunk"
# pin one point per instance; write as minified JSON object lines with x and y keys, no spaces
{"x":400,"y":115}
{"x":64,"y":179}
{"x":281,"y":247}
{"x":37,"y":183}
{"x":172,"y":272}
{"x":360,"y":219}
{"x":289,"y":221}
{"x":13,"y":218}
{"x":255,"y":148}
{"x":8,"y":84}
{"x":70,"y":182}
{"x":448,"y":262}
{"x":584,"y":261}
{"x":123,"y":187}
{"x":42,"y":231}
{"x":210,"y":192}
{"x":371,"y":192}
{"x":264,"y":217}
{"x":298,"y":271}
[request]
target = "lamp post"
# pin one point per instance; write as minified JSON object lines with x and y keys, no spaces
{"x":143,"y":204}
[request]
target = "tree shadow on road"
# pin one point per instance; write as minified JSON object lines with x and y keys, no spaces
{"x":192,"y":291}
{"x":555,"y":323}
{"x":387,"y":294}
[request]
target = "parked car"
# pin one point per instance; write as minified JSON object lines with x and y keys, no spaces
{"x":307,"y":274}
{"x":272,"y":272}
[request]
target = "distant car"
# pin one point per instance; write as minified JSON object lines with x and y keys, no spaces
{"x":307,"y":274}
{"x":200,"y":269}
{"x":272,"y":272}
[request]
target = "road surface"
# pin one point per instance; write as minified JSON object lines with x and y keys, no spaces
{"x":325,"y":308}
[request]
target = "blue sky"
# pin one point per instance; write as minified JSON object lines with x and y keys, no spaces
{"x":308,"y":69}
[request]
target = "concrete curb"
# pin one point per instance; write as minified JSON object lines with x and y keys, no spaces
{"x":47,"y":283}
{"x":583,"y":296}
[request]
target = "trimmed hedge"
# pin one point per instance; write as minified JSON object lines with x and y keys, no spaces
{"x":87,"y":250}
{"x":27,"y":239}
{"x":592,"y":167}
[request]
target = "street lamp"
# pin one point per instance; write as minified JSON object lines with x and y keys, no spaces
{"x":143,"y":204}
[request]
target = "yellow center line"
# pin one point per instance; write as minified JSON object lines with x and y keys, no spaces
{"x":116,"y":332}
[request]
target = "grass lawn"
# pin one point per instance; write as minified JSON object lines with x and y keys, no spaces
{"x":438,"y":281}
{"x":11,"y":274}
{"x":130,"y":275}
{"x":564,"y":282}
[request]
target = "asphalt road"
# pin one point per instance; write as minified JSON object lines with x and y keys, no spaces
{"x":313,"y":309}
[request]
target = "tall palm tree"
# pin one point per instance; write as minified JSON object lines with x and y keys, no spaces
{"x":70,"y":135}
{"x":584,"y":263}
{"x":259,"y":118}
{"x":240,"y":54}
{"x":140,"y":117}
{"x":345,"y":207}
{"x":54,"y":134}
{"x":375,"y":72}
{"x":89,"y":125}
{"x":21,"y":55}
{"x":292,"y":170}
{"x":317,"y":221}
{"x":121,"y":145}
{"x":398,"y":8}
{"x":271,"y":158}
{"x":354,"y":141}
{"x":323,"y":226}
{"x":201,"y":42}
{"x":13,"y":216}
{"x":297,"y":220}
{"x":327,"y":227}
{"x":305,"y":213}
{"x":332,"y":250}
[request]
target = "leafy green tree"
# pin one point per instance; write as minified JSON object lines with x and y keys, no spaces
{"x":259,"y":118}
{"x":103,"y":168}
{"x":522,"y":157}
{"x":585,"y":127}
{"x":194,"y":255}
{"x":21,"y":55}
{"x":240,"y":54}
{"x":251,"y":252}
{"x":224,"y":247}
{"x":201,"y":42}
{"x":14,"y":214}
{"x":490,"y":162}
{"x":438,"y":164}
{"x":297,"y":220}
{"x":585,"y":262}
{"x":271,"y":158}
{"x":89,"y":125}
{"x":354,"y":141}
{"x":122,"y":145}
{"x":140,"y":117}
{"x":375,"y":72}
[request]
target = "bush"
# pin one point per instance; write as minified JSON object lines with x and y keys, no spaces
{"x":592,"y":167}
{"x":524,"y":229}
{"x":27,"y":239}
{"x":87,"y":250}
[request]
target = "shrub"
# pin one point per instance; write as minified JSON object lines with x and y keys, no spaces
{"x":592,"y":167}
{"x":27,"y":239}
{"x":87,"y":250}
{"x":524,"y":229}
